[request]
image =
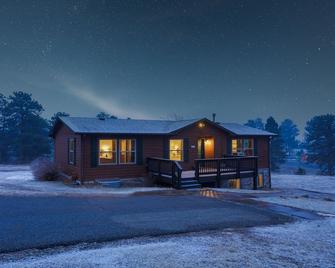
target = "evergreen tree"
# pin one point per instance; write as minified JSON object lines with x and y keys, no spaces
{"x":3,"y":132}
{"x":320,"y":142}
{"x":289,"y":133}
{"x":55,"y":116}
{"x":103,"y":115}
{"x":277,"y":148}
{"x":27,"y":130}
{"x":257,"y":123}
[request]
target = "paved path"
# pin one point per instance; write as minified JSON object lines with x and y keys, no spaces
{"x":39,"y":222}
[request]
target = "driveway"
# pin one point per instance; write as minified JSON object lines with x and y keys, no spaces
{"x":46,"y":221}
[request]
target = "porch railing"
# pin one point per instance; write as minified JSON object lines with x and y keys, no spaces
{"x":165,"y":168}
{"x":234,"y":166}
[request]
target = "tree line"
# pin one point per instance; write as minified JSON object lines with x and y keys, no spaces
{"x":318,"y":143}
{"x":24,"y":134}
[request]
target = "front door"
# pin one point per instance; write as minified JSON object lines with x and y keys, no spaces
{"x":205,"y":148}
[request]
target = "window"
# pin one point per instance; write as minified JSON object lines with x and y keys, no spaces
{"x":127,"y":151}
{"x":107,"y":152}
{"x":242,"y":147}
{"x":176,"y":150}
{"x":260,"y":182}
{"x":235,"y":183}
{"x":72,"y":151}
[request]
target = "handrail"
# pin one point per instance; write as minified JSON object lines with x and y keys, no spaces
{"x":228,"y":158}
{"x":174,"y":170}
{"x":227,"y":165}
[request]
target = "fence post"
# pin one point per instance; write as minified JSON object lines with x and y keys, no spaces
{"x":196,"y":169}
{"x":218,"y":173}
{"x":238,"y":171}
{"x":255,"y":173}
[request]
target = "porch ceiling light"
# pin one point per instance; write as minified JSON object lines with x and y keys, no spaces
{"x":201,"y":124}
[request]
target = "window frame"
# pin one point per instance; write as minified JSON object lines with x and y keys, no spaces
{"x":181,"y":150}
{"x":131,"y":151}
{"x":71,"y":151}
{"x":116,"y":153}
{"x":243,"y":149}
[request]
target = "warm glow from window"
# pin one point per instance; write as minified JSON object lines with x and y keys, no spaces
{"x":127,"y":151}
{"x":176,"y":150}
{"x":260,"y":180}
{"x":107,"y":152}
{"x":235,"y":183}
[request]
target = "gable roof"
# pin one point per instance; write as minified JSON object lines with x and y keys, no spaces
{"x":242,"y":130}
{"x":124,"y":126}
{"x":86,"y":125}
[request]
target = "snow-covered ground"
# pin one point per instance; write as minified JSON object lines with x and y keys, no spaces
{"x":18,"y":180}
{"x":301,"y":244}
{"x":323,"y":184}
{"x":304,"y":243}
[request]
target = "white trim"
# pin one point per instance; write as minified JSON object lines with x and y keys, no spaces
{"x":182,"y":150}
{"x":119,"y":152}
{"x":108,"y":164}
{"x":73,"y":151}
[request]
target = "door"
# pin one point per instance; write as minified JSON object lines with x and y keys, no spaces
{"x":205,"y":148}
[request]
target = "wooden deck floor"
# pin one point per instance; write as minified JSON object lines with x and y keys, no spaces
{"x":188,"y":174}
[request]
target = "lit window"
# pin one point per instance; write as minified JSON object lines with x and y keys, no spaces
{"x":176,"y":150}
{"x":107,"y":152}
{"x":72,"y":151}
{"x":260,"y":180}
{"x":235,"y":183}
{"x":127,"y":151}
{"x":242,"y":147}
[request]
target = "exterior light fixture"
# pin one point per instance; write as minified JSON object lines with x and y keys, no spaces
{"x":201,"y":125}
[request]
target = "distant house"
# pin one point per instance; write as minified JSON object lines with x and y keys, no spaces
{"x":183,"y":153}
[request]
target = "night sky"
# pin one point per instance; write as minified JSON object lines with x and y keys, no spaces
{"x":158,"y":59}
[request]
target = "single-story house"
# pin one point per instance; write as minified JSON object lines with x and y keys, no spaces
{"x":182,"y":152}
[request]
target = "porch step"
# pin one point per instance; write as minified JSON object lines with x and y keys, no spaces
{"x":189,"y":184}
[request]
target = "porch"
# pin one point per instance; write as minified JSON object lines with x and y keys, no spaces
{"x":206,"y":171}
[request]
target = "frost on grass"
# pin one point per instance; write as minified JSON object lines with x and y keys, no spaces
{"x":301,"y":244}
{"x":324,"y":184}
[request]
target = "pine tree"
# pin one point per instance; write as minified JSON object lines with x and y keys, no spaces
{"x":55,"y":116}
{"x":27,"y":130}
{"x":277,"y":148}
{"x":3,"y":132}
{"x":289,"y":133}
{"x":257,"y":123}
{"x":103,"y":115}
{"x":320,"y":142}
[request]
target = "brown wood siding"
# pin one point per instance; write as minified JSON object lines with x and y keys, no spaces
{"x":193,"y":133}
{"x":152,"y":147}
{"x":61,"y":151}
{"x":263,"y":152}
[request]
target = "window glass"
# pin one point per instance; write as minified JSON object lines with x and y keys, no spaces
{"x":242,"y":147}
{"x":176,"y":150}
{"x":71,"y":151}
{"x":107,"y":152}
{"x":127,"y":151}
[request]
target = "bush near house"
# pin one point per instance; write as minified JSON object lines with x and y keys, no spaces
{"x":45,"y":169}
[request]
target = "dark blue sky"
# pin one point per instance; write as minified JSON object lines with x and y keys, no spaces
{"x":157,"y":59}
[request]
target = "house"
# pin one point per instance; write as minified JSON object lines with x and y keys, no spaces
{"x":181,"y":153}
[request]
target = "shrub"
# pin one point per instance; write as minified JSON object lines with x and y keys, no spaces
{"x":44,"y":169}
{"x":300,"y":171}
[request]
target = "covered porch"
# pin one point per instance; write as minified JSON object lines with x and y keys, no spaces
{"x":206,"y":171}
